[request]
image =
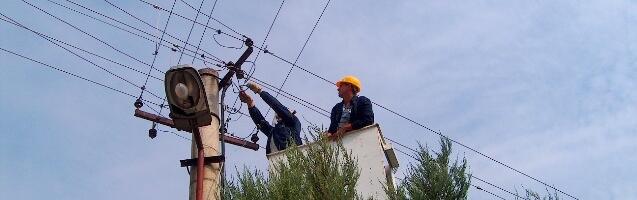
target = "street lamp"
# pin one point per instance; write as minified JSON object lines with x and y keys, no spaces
{"x":186,"y":98}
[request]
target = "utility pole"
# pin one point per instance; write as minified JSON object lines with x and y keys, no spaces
{"x":193,"y":99}
{"x":210,"y":139}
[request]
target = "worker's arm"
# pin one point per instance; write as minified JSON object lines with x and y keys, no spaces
{"x":277,"y":107}
{"x":255,"y":114}
{"x":334,"y":119}
{"x":260,"y":121}
{"x":365,"y":114}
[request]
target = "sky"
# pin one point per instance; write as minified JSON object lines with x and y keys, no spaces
{"x":547,"y":87}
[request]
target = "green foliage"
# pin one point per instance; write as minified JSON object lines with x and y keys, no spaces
{"x":320,"y":171}
{"x":432,"y":177}
{"x":532,"y":195}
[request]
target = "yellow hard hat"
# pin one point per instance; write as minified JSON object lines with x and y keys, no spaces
{"x":351,"y":80}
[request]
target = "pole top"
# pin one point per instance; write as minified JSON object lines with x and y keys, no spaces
{"x":209,"y":72}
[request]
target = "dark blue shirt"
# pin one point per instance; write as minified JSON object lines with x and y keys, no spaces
{"x":361,"y":114}
{"x":289,"y":128}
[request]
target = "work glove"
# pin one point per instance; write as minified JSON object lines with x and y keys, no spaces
{"x":254,"y":87}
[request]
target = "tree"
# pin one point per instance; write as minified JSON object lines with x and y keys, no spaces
{"x":432,"y":177}
{"x":320,"y":171}
{"x":532,"y":195}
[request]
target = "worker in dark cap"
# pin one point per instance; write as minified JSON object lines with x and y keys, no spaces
{"x":286,"y":127}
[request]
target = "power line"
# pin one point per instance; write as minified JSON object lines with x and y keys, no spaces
{"x":75,"y":75}
{"x":406,"y":154}
{"x":423,"y":126}
{"x":404,"y":146}
{"x":296,"y":99}
{"x":209,"y":16}
{"x":195,"y":55}
{"x":86,"y":51}
{"x":276,"y":16}
{"x":500,"y":188}
{"x":473,"y":176}
{"x":256,"y":58}
{"x":70,"y":51}
{"x":84,"y":32}
{"x":393,"y":141}
{"x":394,"y":112}
{"x":477,"y":187}
{"x":241,"y":39}
{"x":487,"y":191}
{"x":133,"y":57}
{"x":204,"y":30}
{"x":190,"y":32}
{"x":304,"y":44}
{"x":113,"y":88}
{"x":110,"y":25}
{"x":208,"y":27}
{"x":186,"y":44}
{"x":155,"y":54}
{"x":301,"y":51}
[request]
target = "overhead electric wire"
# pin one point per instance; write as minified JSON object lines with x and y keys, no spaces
{"x":404,"y":146}
{"x":487,"y":191}
{"x":84,"y":32}
{"x":295,"y":99}
{"x":72,"y":52}
{"x":300,"y":53}
{"x":194,"y":56}
{"x":473,"y":176}
{"x":387,"y":109}
{"x":214,"y":5}
{"x":214,"y":38}
{"x":276,"y":16}
{"x":131,"y":33}
{"x":423,"y":126}
{"x":210,"y":16}
{"x":326,"y":114}
{"x":215,"y":58}
{"x":103,"y":42}
{"x":477,"y":187}
{"x":88,"y":52}
{"x":256,"y":58}
{"x":190,"y":32}
{"x":153,"y":102}
{"x":152,"y":64}
{"x":188,"y":19}
{"x":406,"y":154}
{"x":75,"y":75}
{"x":303,"y":48}
{"x":500,"y":188}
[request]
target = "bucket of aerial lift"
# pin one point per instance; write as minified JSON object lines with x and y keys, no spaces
{"x":376,"y":159}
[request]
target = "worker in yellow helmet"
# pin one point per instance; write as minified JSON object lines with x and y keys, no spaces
{"x":353,"y":112}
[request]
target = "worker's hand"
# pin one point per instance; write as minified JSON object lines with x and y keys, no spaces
{"x":331,"y":136}
{"x":254,"y":87}
{"x":245,"y":98}
{"x":340,"y":132}
{"x":347,"y":127}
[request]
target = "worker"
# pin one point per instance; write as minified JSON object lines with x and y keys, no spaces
{"x":353,"y":112}
{"x":287,"y":127}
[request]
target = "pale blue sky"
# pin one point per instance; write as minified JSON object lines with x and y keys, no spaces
{"x":547,"y":87}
